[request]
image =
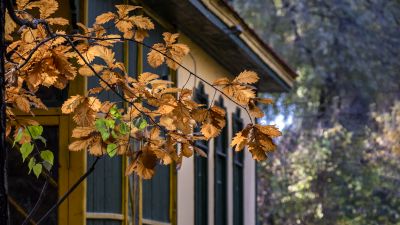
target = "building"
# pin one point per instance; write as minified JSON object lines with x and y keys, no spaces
{"x":220,"y":189}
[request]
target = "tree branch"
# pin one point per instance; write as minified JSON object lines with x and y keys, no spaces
{"x":65,"y":196}
{"x":164,"y":54}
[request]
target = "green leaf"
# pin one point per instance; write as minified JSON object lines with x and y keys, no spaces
{"x":34,"y":131}
{"x":123,"y":128}
{"x":101,"y":126}
{"x":104,"y":126}
{"x":114,"y":134}
{"x":25,"y":150}
{"x":37,"y":169}
{"x":110,"y":124}
{"x":19,"y":136}
{"x":141,"y":123}
{"x":31,"y":164}
{"x":47,"y":156}
{"x":115,"y":113}
{"x":111,"y":149}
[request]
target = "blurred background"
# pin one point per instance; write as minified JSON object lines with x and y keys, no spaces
{"x":338,"y":160}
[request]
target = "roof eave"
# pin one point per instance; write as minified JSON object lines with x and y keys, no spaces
{"x":243,"y":51}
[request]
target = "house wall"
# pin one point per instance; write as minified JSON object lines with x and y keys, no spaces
{"x":202,"y":64}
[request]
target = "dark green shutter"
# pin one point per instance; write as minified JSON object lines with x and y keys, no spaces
{"x":220,"y":173}
{"x":104,"y":186}
{"x":238,"y":157}
{"x":201,"y":170}
{"x":156,"y":192}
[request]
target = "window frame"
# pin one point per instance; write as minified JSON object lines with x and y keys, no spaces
{"x":221,"y":153}
{"x":201,"y":97}
{"x":238,"y":173}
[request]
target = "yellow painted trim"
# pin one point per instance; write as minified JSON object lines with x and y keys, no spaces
{"x":77,"y":162}
{"x":153,"y":222}
{"x":173,"y":203}
{"x":43,"y":120}
{"x":125,"y":181}
{"x":230,"y":20}
{"x":39,"y":112}
{"x":107,"y":216}
{"x":139,"y":68}
{"x":63,"y":172}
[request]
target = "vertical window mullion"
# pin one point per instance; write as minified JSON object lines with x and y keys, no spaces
{"x":201,"y":169}
{"x":220,"y":173}
{"x":238,"y":163}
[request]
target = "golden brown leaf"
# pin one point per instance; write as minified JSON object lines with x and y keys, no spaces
{"x":81,"y":144}
{"x":186,"y":150}
{"x":269,"y":130}
{"x":70,"y":105}
{"x":57,"y":21}
{"x":239,"y":141}
{"x":155,"y":57}
{"x":247,"y":77}
{"x":105,"y":17}
{"x":80,"y":132}
{"x":23,"y":104}
{"x":255,"y":110}
{"x":96,"y":147}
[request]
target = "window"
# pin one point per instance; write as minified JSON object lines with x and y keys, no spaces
{"x":156,"y":192}
{"x":220,"y":173}
{"x":238,"y":157}
{"x":105,"y":185}
{"x":201,"y":170}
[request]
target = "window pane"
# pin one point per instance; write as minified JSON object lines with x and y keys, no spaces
{"x":104,"y":185}
{"x":156,"y":195}
{"x":237,"y":125}
{"x":96,"y":8}
{"x":201,"y":169}
{"x":220,"y":176}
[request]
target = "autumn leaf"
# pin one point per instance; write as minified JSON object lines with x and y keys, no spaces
{"x":246,"y":77}
{"x":255,"y":110}
{"x":81,"y":144}
{"x":80,"y":132}
{"x":239,"y":89}
{"x":156,"y":56}
{"x":70,"y":105}
{"x":23,"y":104}
{"x":239,"y":141}
{"x":170,"y":52}
{"x":105,"y":17}
{"x":213,"y":123}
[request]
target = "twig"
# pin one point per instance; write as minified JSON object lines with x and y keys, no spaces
{"x":170,"y":58}
{"x":108,"y":85}
{"x":65,"y":196}
{"x":39,"y":201}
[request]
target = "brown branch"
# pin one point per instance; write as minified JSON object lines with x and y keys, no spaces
{"x":39,"y":201}
{"x":170,"y":58}
{"x":23,"y":22}
{"x":108,"y":85}
{"x":65,"y":196}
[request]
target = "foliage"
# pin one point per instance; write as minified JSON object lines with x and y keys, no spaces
{"x":345,"y":54}
{"x":157,"y":115}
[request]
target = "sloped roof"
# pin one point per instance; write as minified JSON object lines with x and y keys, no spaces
{"x":220,"y":31}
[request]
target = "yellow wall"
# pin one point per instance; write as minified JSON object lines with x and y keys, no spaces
{"x":210,"y":70}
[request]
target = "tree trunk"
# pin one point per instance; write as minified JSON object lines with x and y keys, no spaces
{"x":3,"y":150}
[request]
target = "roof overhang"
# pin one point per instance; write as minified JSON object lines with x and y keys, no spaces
{"x":214,"y":26}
